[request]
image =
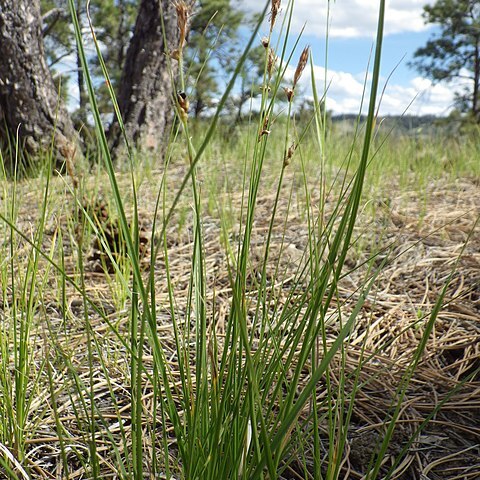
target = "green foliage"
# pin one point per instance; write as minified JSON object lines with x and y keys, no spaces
{"x":455,"y":52}
{"x":212,"y":46}
{"x":251,"y":78}
{"x":58,"y":40}
{"x":211,"y":52}
{"x":114,"y":21}
{"x":169,"y":385}
{"x":58,"y":37}
{"x":164,"y":382}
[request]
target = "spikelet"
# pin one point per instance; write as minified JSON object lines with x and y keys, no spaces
{"x":272,"y":60}
{"x":302,"y":62}
{"x":264,"y":130}
{"x":183,"y":105}
{"x":289,"y":93}
{"x":183,"y":14}
{"x":289,"y":154}
{"x":274,"y":12}
{"x":68,"y":151}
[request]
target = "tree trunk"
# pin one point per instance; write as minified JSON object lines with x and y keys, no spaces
{"x":145,"y":93}
{"x":28,"y":98}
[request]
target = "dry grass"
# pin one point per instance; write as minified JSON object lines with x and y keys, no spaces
{"x":427,"y":233}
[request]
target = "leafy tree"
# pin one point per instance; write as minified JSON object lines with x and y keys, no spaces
{"x":455,"y":52}
{"x":58,"y":42}
{"x":113,"y":21}
{"x":58,"y":37}
{"x":251,"y":77}
{"x":211,"y":48}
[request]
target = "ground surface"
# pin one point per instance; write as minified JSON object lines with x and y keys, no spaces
{"x":426,"y":234}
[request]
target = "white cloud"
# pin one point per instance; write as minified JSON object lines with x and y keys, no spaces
{"x":358,"y":19}
{"x":344,"y":94}
{"x":351,"y":18}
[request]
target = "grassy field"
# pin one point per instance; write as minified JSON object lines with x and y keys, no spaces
{"x":278,"y":299}
{"x":66,"y":314}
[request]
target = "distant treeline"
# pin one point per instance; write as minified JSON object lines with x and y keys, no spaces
{"x":402,"y":124}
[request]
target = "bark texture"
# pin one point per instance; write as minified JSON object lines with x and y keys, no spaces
{"x":145,"y":94}
{"x":28,"y":97}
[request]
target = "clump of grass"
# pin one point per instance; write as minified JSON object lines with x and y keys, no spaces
{"x":252,"y":378}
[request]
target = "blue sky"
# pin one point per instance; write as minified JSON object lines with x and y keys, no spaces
{"x":351,"y":36}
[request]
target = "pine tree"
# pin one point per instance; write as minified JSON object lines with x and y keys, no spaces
{"x":454,"y":54}
{"x":211,"y":49}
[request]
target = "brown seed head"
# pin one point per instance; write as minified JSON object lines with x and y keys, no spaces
{"x":183,"y":104}
{"x":272,"y":60}
{"x":301,"y":65}
{"x":68,"y":151}
{"x":183,"y":13}
{"x":262,"y":133}
{"x":289,"y":154}
{"x":274,"y":12}
{"x":264,"y":130}
{"x":289,"y":93}
{"x":265,"y":121}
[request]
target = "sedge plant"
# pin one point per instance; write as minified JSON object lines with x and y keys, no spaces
{"x":251,"y":398}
